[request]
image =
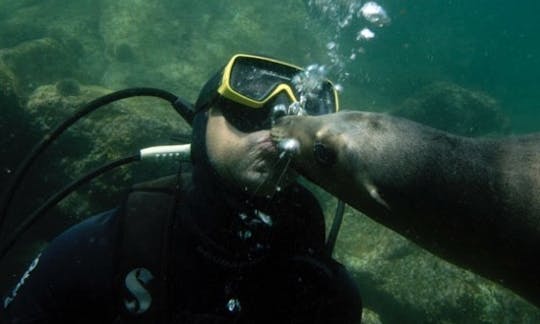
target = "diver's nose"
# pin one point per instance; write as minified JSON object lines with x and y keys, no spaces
{"x":282,"y":105}
{"x":278,"y":111}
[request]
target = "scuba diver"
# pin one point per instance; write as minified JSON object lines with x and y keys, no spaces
{"x":233,"y":238}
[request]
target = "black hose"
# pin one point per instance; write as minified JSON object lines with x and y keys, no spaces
{"x":52,"y":201}
{"x":181,"y":106}
{"x":334,"y":230}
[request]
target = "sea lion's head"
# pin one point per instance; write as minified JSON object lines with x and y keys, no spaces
{"x":319,"y":149}
{"x":340,"y":152}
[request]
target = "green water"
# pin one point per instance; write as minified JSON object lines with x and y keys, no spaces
{"x":489,"y":46}
{"x":485,"y":49}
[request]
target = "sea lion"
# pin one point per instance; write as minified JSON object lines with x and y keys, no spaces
{"x":472,"y":201}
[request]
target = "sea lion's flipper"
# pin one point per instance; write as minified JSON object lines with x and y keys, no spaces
{"x":374,"y":193}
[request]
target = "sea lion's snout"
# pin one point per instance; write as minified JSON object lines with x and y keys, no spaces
{"x":302,"y":137}
{"x":282,"y":131}
{"x":288,"y":147}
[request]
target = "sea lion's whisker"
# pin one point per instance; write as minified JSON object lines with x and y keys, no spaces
{"x":285,"y":168}
{"x":280,"y":178}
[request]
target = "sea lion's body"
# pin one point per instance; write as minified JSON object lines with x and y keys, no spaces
{"x":474,"y":202}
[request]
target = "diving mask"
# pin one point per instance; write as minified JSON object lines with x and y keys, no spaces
{"x":253,"y":91}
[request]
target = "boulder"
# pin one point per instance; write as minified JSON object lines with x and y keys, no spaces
{"x":38,"y":61}
{"x":455,"y":109}
{"x":401,"y":282}
{"x":114,"y":131}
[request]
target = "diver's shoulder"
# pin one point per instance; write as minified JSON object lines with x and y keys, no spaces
{"x":168,"y":183}
{"x":90,"y":226}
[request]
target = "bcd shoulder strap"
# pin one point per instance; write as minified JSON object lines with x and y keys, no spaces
{"x":145,"y":222}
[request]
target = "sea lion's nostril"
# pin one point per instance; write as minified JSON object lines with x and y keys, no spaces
{"x":288,"y":146}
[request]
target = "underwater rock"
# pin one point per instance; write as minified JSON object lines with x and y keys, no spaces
{"x":68,"y":87}
{"x":11,"y":120}
{"x":8,"y":87}
{"x":14,"y":123}
{"x":38,"y":62}
{"x":112,"y":132}
{"x":124,"y":53}
{"x":402,"y":283}
{"x":370,"y":317}
{"x":49,"y":106}
{"x":455,"y":109}
{"x":174,"y":50}
{"x":12,"y":34}
{"x":18,"y":135}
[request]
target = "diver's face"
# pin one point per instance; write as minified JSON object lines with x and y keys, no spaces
{"x":249,"y":161}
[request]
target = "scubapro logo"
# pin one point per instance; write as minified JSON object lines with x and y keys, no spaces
{"x":135,"y":281}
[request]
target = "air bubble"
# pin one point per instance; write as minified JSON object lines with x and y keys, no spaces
{"x":365,"y":34}
{"x":374,"y":13}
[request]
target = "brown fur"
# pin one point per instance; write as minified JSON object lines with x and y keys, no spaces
{"x":474,"y":202}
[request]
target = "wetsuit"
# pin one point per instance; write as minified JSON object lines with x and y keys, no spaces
{"x":234,"y":259}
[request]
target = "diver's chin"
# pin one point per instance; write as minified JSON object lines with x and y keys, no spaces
{"x":267,"y":184}
{"x":261,"y":173}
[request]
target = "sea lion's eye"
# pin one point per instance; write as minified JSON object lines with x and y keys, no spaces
{"x":323,"y":154}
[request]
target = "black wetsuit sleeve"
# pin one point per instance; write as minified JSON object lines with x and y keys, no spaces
{"x":71,"y":281}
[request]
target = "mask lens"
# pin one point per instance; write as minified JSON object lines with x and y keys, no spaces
{"x":256,"y":79}
{"x":245,"y":119}
{"x":257,"y":91}
{"x":321,"y":102}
